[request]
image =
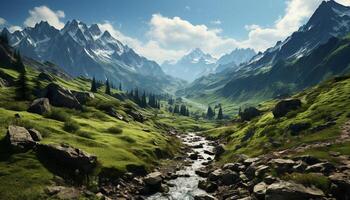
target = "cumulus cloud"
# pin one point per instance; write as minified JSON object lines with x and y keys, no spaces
{"x":344,"y":2}
{"x":44,"y":13}
{"x":2,"y":21}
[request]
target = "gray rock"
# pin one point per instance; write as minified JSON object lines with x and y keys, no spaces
{"x":290,"y":191}
{"x":261,"y":170}
{"x":285,"y":106}
{"x":36,"y":136}
{"x":215,"y":175}
{"x":219,"y":150}
{"x":137,"y":116}
{"x":340,"y":186}
{"x":260,"y":190}
{"x":229,"y":177}
{"x":68,"y":156}
{"x":207,"y":186}
{"x":310,"y":160}
{"x":153,"y":182}
{"x":19,"y":138}
{"x":249,"y":161}
{"x":325,"y":168}
{"x":61,"y":97}
{"x":233,"y":166}
{"x":204,"y":197}
{"x":40,"y":106}
{"x":283,"y":165}
{"x":249,"y":113}
{"x":83,"y":97}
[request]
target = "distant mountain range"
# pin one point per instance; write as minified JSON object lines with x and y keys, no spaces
{"x":310,"y":55}
{"x":86,"y":50}
{"x":197,"y":63}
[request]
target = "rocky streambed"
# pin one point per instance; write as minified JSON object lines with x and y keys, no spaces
{"x":185,"y":185}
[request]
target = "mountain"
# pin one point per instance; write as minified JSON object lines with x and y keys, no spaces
{"x":329,"y":20}
{"x":191,"y":66}
{"x":86,"y":50}
{"x":234,"y":59}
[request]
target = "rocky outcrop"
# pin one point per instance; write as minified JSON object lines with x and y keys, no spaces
{"x":249,"y":113}
{"x":61,"y":97}
{"x":68,"y":156}
{"x":36,"y":136}
{"x":40,"y":106}
{"x":289,"y":191}
{"x":285,"y":106}
{"x":137,"y":116}
{"x":83,"y":97}
{"x":296,"y":128}
{"x":19,"y":138}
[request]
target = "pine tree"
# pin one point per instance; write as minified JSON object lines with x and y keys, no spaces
{"x":176,"y":109}
{"x":210,"y":113}
{"x":93,"y":85}
{"x":108,"y":89}
{"x":22,"y":90}
{"x":183,"y":110}
{"x":143,"y":100}
{"x":120,"y":87}
{"x":220,"y":114}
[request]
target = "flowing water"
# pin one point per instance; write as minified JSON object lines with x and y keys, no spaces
{"x":185,"y":188}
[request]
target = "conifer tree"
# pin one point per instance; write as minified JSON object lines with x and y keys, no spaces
{"x":108,"y":88}
{"x":143,"y":100}
{"x":210,"y":113}
{"x":22,"y":90}
{"x":120,"y":87}
{"x":93,"y":85}
{"x":220,"y":114}
{"x":176,"y":109}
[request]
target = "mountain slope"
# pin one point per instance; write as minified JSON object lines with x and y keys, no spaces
{"x":191,"y":66}
{"x":83,"y":50}
{"x":329,"y":20}
{"x":234,"y":59}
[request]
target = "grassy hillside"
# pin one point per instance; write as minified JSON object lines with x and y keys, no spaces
{"x":328,"y":102}
{"x":116,"y":143}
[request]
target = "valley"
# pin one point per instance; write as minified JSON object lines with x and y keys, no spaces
{"x":85,"y":115}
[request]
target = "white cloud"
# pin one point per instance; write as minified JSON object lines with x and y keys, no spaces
{"x":2,"y":21}
{"x":216,"y":22}
{"x":14,"y":28}
{"x":344,"y":2}
{"x":44,"y":13}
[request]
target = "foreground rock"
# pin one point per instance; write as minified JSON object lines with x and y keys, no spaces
{"x":61,"y":192}
{"x":19,"y":138}
{"x":137,"y":116}
{"x":249,"y":113}
{"x":153,"y":183}
{"x":289,"y":191}
{"x":69,"y":157}
{"x":36,"y":136}
{"x":285,"y":106}
{"x":40,"y":106}
{"x":61,"y":97}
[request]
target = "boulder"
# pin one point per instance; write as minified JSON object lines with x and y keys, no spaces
{"x":83,"y":97}
{"x":203,"y":172}
{"x":285,"y":106}
{"x":207,"y":186}
{"x":219,"y":150}
{"x":193,"y":156}
{"x":283,"y":165}
{"x":310,"y":160}
{"x":284,"y":190}
{"x":137,"y":116}
{"x":36,"y":136}
{"x":68,"y":156}
{"x":215,"y":175}
{"x":260,"y":190}
{"x":324,"y":167}
{"x":249,"y":161}
{"x":296,"y":128}
{"x":261,"y":170}
{"x":114,"y":113}
{"x":19,"y":138}
{"x":249,"y":113}
{"x":204,"y":197}
{"x":153,"y":182}
{"x":340,"y":186}
{"x":229,"y":177}
{"x":40,"y":106}
{"x":61,"y":97}
{"x":234,"y":166}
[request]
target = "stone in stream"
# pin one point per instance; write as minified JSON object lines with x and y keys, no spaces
{"x":207,"y":186}
{"x":203,"y":172}
{"x":204,"y":197}
{"x":153,"y":183}
{"x":193,"y":156}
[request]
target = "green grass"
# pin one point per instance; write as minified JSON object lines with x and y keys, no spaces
{"x":328,"y":101}
{"x":115,"y":143}
{"x":310,"y":179}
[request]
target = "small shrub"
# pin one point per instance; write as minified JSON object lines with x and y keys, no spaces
{"x":71,"y":126}
{"x":127,"y":139}
{"x":115,"y":130}
{"x":57,"y":114}
{"x":85,"y":134}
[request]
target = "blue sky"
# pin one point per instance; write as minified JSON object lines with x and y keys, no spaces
{"x":165,"y":30}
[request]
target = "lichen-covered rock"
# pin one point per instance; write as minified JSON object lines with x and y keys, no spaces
{"x":40,"y":106}
{"x":284,"y":190}
{"x":61,"y":97}
{"x":19,"y":138}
